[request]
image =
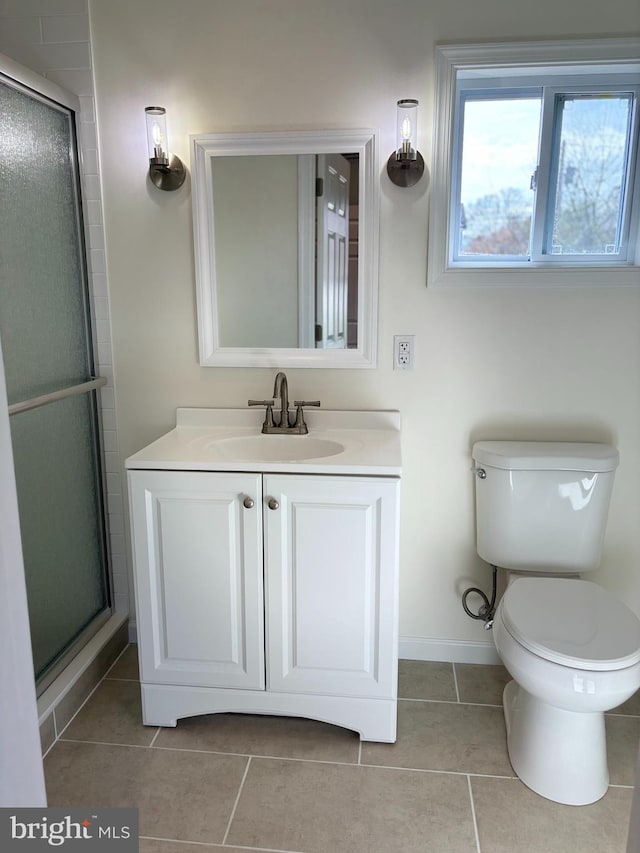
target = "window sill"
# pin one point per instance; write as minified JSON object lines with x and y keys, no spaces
{"x":536,"y":276}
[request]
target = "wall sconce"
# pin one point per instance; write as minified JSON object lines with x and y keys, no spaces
{"x":406,"y":166}
{"x":166,"y":174}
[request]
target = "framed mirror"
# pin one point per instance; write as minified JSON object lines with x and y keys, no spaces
{"x":286,"y":248}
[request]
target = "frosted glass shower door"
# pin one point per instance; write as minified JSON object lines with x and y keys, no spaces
{"x":46,"y":341}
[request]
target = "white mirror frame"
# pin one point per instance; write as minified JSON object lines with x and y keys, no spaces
{"x":204,"y":148}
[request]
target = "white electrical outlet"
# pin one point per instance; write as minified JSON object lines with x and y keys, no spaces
{"x":403,"y":352}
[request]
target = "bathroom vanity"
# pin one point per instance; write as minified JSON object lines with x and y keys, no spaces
{"x":266,"y":568}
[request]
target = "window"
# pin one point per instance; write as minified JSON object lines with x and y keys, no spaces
{"x":535,"y":174}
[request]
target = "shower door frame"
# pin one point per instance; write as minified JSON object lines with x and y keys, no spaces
{"x":33,"y":85}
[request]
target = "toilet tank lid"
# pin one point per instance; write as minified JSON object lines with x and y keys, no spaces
{"x":546,"y":455}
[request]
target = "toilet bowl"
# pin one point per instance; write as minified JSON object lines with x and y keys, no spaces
{"x":573,"y":651}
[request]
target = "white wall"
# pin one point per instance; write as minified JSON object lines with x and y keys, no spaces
{"x":548,"y":364}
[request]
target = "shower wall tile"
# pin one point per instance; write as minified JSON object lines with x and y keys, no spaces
{"x":96,"y":234}
{"x":101,"y":308}
{"x":93,"y":211}
{"x":47,"y":57}
{"x":109,"y":422}
{"x":114,"y":503}
{"x":120,"y":584}
{"x":21,"y":31}
{"x":103,"y":332}
{"x":116,"y":524}
{"x":111,"y":460}
{"x":90,"y":161}
{"x":110,"y":442}
{"x":97,"y":262}
{"x":104,"y":353}
{"x":65,"y":29}
{"x":122,"y":605}
{"x":119,"y":564}
{"x":88,"y":135}
{"x":99,"y":285}
{"x":79,"y":81}
{"x":117,"y":544}
{"x":92,"y":188}
{"x":112,"y":480}
{"x":108,"y":402}
{"x":87,"y":109}
{"x":19,"y":8}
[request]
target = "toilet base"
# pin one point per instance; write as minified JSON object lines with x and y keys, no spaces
{"x":561,"y":755}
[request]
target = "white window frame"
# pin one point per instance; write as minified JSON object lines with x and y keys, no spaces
{"x":531,"y":59}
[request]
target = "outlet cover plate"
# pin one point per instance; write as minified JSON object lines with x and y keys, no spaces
{"x":403,"y":351}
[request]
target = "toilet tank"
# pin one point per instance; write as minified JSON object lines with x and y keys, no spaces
{"x":542,"y":506}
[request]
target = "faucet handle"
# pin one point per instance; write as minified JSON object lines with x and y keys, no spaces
{"x":268,"y":420}
{"x":300,"y":424}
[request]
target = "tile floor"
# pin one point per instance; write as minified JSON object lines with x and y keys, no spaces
{"x":238,"y":783}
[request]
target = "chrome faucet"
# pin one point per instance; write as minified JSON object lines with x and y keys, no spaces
{"x":281,"y":389}
{"x":282,"y":424}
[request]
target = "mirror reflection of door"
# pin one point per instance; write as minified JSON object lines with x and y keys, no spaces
{"x":332,"y":259}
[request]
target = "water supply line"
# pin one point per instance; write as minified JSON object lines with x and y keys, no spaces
{"x":487,"y":608}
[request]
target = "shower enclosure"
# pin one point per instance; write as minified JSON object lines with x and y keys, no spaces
{"x":46,"y":340}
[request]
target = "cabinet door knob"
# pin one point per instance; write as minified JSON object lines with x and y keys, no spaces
{"x":273,"y":503}
{"x":248,"y":502}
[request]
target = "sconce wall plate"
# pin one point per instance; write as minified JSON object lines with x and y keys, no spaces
{"x":405,"y":173}
{"x":167,"y":175}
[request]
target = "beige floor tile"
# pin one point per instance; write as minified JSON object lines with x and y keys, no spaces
{"x":330,"y":808}
{"x":481,"y":683}
{"x":284,"y":737}
{"x":631,"y":706}
{"x":113,"y":714}
{"x":623,"y":738}
{"x":445,"y":736}
{"x":153,"y":846}
{"x":127,"y":665}
{"x":418,"y":679}
{"x":512,"y":819}
{"x":69,"y":704}
{"x":181,"y":795}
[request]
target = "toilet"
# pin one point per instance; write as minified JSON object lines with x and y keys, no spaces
{"x":571,"y":647}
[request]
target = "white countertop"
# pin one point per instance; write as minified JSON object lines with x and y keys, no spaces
{"x":203,"y":441}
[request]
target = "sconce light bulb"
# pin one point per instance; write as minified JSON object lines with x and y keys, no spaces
{"x":157,"y":133}
{"x":407,"y":123}
{"x":158,"y":139}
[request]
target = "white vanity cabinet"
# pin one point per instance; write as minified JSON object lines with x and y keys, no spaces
{"x":198,"y":577}
{"x":267,"y":593}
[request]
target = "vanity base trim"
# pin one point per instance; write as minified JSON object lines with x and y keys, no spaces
{"x":373,"y":719}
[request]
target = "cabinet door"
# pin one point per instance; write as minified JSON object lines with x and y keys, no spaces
{"x":199,"y":579}
{"x":332,"y":585}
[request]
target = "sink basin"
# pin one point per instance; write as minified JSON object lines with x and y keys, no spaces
{"x":276,"y":448}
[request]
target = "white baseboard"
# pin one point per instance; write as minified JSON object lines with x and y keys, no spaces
{"x":456,"y":651}
{"x":421,"y":648}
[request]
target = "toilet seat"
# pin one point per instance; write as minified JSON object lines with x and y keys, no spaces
{"x":571,"y":622}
